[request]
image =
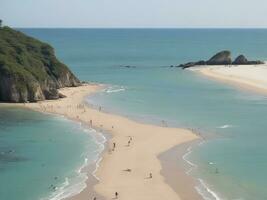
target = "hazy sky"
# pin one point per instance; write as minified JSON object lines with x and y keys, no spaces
{"x":134,"y":13}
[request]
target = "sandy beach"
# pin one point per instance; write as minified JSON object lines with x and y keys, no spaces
{"x":250,"y":77}
{"x":130,"y":164}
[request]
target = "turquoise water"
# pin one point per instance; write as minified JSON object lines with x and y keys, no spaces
{"x":39,"y":152}
{"x":233,"y":162}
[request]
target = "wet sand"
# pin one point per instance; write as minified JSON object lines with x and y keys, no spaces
{"x":175,"y":168}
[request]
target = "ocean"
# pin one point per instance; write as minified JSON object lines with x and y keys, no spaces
{"x":42,"y":156}
{"x":231,"y":163}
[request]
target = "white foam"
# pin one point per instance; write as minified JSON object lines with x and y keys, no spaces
{"x":114,"y":88}
{"x":203,"y":188}
{"x":101,"y":144}
{"x":97,"y":166}
{"x":225,"y":126}
{"x":69,"y":190}
{"x":206,"y":192}
{"x":78,"y":182}
{"x":188,"y":152}
{"x":193,"y":166}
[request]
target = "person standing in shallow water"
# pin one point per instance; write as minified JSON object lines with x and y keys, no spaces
{"x":116,"y":195}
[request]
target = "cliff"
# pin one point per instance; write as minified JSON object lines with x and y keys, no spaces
{"x":29,"y":69}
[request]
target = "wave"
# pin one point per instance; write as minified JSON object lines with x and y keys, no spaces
{"x":100,"y":139}
{"x":202,"y":188}
{"x":193,"y":166}
{"x":77,"y":183}
{"x":113,"y":89}
{"x":68,"y":189}
{"x":188,"y":152}
{"x":225,"y":126}
{"x":206,"y":192}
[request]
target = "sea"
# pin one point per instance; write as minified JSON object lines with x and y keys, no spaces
{"x":42,"y":155}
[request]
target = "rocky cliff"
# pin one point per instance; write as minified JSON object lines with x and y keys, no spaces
{"x":222,"y":58}
{"x":29,"y":69}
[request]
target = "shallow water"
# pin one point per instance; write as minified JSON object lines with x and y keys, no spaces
{"x":39,"y":152}
{"x":233,"y":162}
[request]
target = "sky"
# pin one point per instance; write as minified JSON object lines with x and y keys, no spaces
{"x":134,"y":13}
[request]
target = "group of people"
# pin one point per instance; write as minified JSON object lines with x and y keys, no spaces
{"x":129,"y":142}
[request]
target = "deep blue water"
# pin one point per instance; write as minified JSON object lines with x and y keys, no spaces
{"x":152,"y":91}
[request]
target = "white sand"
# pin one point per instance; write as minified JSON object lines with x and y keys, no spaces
{"x":248,"y":76}
{"x":148,"y":141}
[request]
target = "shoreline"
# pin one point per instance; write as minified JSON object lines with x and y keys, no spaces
{"x":90,"y":169}
{"x":245,"y":77}
{"x":179,"y":178}
{"x":142,"y":160}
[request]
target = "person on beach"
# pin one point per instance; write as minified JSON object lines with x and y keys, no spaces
{"x":150,"y":175}
{"x":116,"y":195}
{"x":91,"y":122}
{"x":114,"y":145}
{"x":164,"y":123}
{"x":129,"y":143}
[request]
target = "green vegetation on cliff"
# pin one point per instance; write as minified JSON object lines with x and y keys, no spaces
{"x":29,"y":69}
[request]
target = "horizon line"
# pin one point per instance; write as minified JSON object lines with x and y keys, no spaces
{"x":138,"y":27}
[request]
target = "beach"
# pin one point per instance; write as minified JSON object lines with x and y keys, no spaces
{"x":130,"y":164}
{"x":141,"y":161}
{"x":227,"y":105}
{"x":250,"y":77}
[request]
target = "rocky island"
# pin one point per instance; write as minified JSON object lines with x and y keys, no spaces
{"x":29,"y":69}
{"x":222,"y":58}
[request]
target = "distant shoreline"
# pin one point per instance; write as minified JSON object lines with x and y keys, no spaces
{"x":248,"y":77}
{"x":140,"y":158}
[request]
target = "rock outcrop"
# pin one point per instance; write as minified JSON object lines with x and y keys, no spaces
{"x":242,"y":60}
{"x":29,"y":69}
{"x":222,"y":58}
{"x":192,"y":64}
